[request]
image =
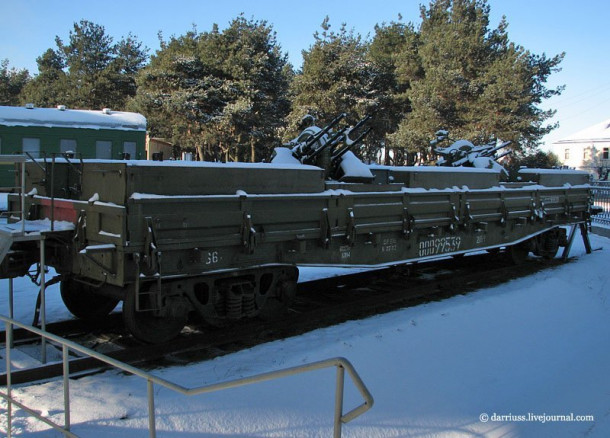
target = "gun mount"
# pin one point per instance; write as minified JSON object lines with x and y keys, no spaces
{"x":330,"y":150}
{"x":466,"y":154}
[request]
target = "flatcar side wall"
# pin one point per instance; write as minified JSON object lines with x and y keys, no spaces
{"x":173,"y":236}
{"x":188,"y":236}
{"x":198,"y":235}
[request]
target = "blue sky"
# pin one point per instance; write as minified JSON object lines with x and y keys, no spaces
{"x":29,"y":27}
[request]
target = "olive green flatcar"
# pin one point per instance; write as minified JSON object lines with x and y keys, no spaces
{"x":224,"y":240}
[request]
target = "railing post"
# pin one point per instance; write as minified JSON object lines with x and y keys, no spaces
{"x":152,"y":431}
{"x":339,"y":400}
{"x":23,"y":197}
{"x":11,"y":304}
{"x":9,"y":403}
{"x":43,"y":304}
{"x":66,"y":367}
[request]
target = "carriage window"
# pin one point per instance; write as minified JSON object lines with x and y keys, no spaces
{"x":129,"y":149}
{"x":103,"y":149}
{"x":31,"y":146}
{"x":67,"y":145}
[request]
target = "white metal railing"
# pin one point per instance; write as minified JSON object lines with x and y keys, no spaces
{"x":601,"y":198}
{"x":340,"y":363}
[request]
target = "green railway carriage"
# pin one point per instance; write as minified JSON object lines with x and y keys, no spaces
{"x":42,"y":132}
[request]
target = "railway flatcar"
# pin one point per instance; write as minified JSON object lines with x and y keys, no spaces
{"x":224,"y":240}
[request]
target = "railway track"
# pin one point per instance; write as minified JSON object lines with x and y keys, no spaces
{"x":319,"y":303}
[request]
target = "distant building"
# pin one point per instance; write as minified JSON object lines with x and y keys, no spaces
{"x":41,"y":132}
{"x":159,"y":148}
{"x":588,"y":150}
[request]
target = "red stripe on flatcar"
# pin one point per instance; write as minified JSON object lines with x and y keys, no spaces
{"x":63,"y":210}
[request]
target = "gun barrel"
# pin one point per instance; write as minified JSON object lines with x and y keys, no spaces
{"x":362,"y":122}
{"x":347,"y":147}
{"x":336,"y":138}
{"x":504,"y":154}
{"x":490,"y":152}
{"x":312,"y":140}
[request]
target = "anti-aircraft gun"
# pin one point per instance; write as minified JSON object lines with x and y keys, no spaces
{"x":329,"y":149}
{"x":463,"y":153}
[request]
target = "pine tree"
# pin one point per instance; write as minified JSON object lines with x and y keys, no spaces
{"x":225,"y":94}
{"x":180,"y":96}
{"x":50,"y":87}
{"x":248,"y":55}
{"x":12,"y":81}
{"x":337,"y":77}
{"x":393,"y":52}
{"x":538,"y":160}
{"x":91,"y":71}
{"x":475,"y":83}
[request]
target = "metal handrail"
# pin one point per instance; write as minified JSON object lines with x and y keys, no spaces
{"x":340,"y":363}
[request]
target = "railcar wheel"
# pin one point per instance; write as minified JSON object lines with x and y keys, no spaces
{"x":82,"y":301}
{"x":152,"y":326}
{"x":277,"y":305}
{"x":518,"y":253}
{"x":548,"y":244}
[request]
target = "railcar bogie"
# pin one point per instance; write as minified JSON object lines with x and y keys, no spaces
{"x":156,"y":311}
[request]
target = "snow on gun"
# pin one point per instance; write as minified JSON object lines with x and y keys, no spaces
{"x":329,"y":150}
{"x":464,"y":153}
{"x":226,"y":244}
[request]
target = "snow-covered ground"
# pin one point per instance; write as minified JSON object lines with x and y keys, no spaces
{"x":532,"y":349}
